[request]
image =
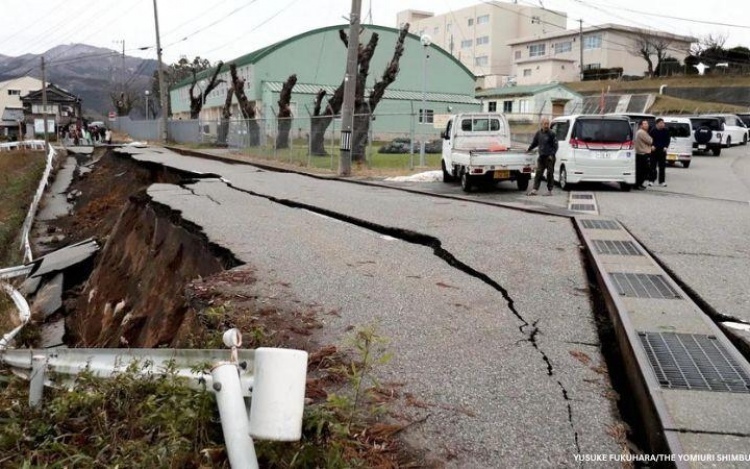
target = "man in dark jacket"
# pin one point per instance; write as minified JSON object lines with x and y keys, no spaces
{"x":546,"y":140}
{"x":661,"y":138}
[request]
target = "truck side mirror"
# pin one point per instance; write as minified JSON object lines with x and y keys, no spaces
{"x":443,"y":135}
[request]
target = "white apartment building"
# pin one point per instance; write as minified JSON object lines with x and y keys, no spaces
{"x":556,"y":56}
{"x":478,"y":36}
{"x":11,"y":107}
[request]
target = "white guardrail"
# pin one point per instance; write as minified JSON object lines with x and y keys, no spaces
{"x":29,"y":221}
{"x":275,"y":376}
{"x":26,"y":144}
{"x":24,"y":313}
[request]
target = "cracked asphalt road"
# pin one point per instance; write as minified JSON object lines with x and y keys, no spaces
{"x":485,"y":308}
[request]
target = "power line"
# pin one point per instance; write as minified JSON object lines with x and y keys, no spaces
{"x":200,"y":30}
{"x":191,"y":20}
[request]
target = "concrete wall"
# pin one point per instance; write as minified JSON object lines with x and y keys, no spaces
{"x":735,"y":95}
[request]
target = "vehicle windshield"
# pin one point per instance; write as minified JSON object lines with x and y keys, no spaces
{"x":677,"y":129}
{"x":710,"y":122}
{"x":603,"y":131}
{"x":745,"y":118}
{"x":480,"y":125}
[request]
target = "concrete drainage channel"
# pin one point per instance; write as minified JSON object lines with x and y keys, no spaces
{"x":689,"y":382}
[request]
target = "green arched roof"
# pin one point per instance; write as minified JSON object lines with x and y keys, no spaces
{"x":257,"y":55}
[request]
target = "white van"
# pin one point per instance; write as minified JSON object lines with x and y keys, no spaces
{"x":595,"y":148}
{"x":681,"y":145}
{"x":732,"y":129}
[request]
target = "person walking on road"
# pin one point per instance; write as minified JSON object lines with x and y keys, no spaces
{"x":661,"y":140}
{"x":546,"y":140}
{"x":643,"y":148}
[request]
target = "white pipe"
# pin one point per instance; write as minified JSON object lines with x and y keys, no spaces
{"x":24,"y":313}
{"x":233,"y":415}
{"x":661,"y":89}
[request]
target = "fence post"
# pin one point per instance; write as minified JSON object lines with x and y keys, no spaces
{"x":36,"y":386}
{"x":233,"y":414}
{"x":333,"y":140}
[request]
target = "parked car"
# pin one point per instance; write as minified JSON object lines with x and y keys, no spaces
{"x":707,"y":134}
{"x":681,"y":144}
{"x":745,"y":118}
{"x":397,"y":145}
{"x":733,"y":129}
{"x":596,"y":148}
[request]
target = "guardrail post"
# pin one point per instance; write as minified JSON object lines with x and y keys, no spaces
{"x":233,"y":413}
{"x":36,"y":387}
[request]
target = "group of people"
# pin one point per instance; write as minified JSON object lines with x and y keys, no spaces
{"x":84,"y":135}
{"x":651,"y":154}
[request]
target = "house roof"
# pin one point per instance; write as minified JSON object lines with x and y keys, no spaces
{"x":12,"y":114}
{"x":255,"y":56}
{"x":526,"y":90}
{"x":54,"y":94}
{"x":601,"y":27}
{"x":403,"y":95}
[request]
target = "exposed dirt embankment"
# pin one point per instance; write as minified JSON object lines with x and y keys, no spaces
{"x":135,"y":295}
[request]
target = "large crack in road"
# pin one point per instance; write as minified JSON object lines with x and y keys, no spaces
{"x":528,"y":329}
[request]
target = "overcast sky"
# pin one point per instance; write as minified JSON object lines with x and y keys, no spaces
{"x":226,"y":29}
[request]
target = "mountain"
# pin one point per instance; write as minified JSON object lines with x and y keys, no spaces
{"x":89,"y":72}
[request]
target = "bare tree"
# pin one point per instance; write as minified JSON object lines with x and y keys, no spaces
{"x":124,"y":101}
{"x":363,"y":106}
{"x":197,"y":102}
{"x":643,"y":47}
{"x":247,"y":108}
{"x":226,"y":114}
{"x":708,"y":42}
{"x":284,"y":118}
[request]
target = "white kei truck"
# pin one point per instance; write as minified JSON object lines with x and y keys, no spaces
{"x":477,"y":151}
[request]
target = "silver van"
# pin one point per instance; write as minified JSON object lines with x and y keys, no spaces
{"x":681,"y":142}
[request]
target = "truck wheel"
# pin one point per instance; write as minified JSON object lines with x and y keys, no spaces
{"x":625,"y":187}
{"x":686,"y":164}
{"x":744,"y":139}
{"x":523,"y":182}
{"x":564,"y":185}
{"x":729,"y":142}
{"x":466,"y":183}
{"x":716,"y":150}
{"x":447,"y":177}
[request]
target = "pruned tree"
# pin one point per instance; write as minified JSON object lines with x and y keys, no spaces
{"x":123,"y":102}
{"x":175,"y":73}
{"x":321,"y":119}
{"x":226,"y":114}
{"x":285,"y":112}
{"x":197,"y":102}
{"x":247,"y":107}
{"x":642,"y":47}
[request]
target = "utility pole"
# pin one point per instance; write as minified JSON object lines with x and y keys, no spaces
{"x":350,"y":87}
{"x":580,"y":44}
{"x":44,"y":103}
{"x":163,"y":91}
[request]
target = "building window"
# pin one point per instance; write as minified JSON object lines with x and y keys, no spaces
{"x":429,"y":115}
{"x":518,"y":55}
{"x":471,"y":21}
{"x":523,"y":106}
{"x":483,"y":40}
{"x":492,"y":106}
{"x":537,"y":50}
{"x":14,"y":92}
{"x":508,"y":106}
{"x":466,"y":43}
{"x":484,"y":19}
{"x":593,"y":41}
{"x":527,"y":72}
{"x":481,"y":60}
{"x":594,"y":66}
{"x":435,"y":30}
{"x":562,"y":47}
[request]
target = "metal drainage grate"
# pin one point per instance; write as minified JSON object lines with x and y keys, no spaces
{"x":694,"y":362}
{"x":621,"y":248}
{"x":583,"y":207}
{"x":643,"y":286}
{"x":582,"y":196}
{"x":600,"y":225}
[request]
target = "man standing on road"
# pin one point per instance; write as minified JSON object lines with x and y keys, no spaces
{"x":661,"y":138}
{"x":546,"y":140}
{"x":643,"y":147}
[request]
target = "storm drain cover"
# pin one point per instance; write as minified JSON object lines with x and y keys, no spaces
{"x":622,"y":248}
{"x":643,"y":286}
{"x":600,"y":225}
{"x":582,"y":196}
{"x":583,"y":207}
{"x":693,"y":362}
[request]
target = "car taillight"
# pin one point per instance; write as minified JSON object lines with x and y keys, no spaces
{"x":574,"y":143}
{"x":628,"y":145}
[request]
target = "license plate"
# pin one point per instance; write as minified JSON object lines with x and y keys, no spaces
{"x":701,"y":147}
{"x":501,"y":174}
{"x":672,"y":157}
{"x":601,"y":155}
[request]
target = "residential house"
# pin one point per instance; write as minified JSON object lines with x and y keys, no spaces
{"x":11,"y":107}
{"x":556,"y":56}
{"x":63,"y":108}
{"x":527,"y":104}
{"x":478,"y":35}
